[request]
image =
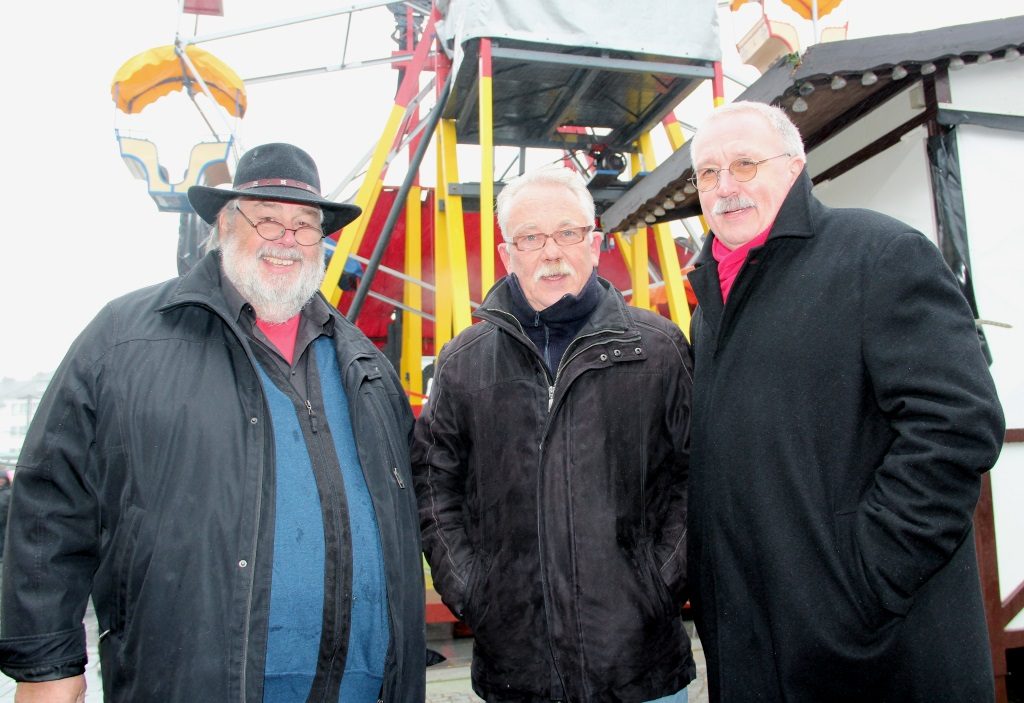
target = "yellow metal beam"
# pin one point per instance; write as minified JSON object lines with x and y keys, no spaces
{"x":442,"y":279}
{"x":369,"y":190}
{"x":486,"y":170}
{"x":624,"y":247}
{"x":352,"y":236}
{"x":458,"y":270}
{"x":412,"y":295}
{"x":638,"y":272}
{"x":638,"y":258}
{"x":674,"y":131}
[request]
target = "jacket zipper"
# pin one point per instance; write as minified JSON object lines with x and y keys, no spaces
{"x":312,"y":417}
{"x":389,"y":457}
{"x":566,"y":361}
{"x":551,"y":397}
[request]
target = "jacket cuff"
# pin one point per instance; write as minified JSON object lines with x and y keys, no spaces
{"x":56,"y":655}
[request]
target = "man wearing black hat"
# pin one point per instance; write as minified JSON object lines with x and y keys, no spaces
{"x":221,"y":462}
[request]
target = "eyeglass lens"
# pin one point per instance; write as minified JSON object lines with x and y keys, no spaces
{"x":742,"y":170}
{"x":565,"y":237}
{"x":272,"y":231}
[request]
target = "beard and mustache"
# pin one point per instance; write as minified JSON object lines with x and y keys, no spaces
{"x":275,"y":301}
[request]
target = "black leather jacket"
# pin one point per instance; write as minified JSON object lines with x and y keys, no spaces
{"x":147,"y":478}
{"x":553,"y":509}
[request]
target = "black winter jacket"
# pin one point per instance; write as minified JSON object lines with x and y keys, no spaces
{"x":553,"y":509}
{"x":147,"y":478}
{"x":843,"y":417}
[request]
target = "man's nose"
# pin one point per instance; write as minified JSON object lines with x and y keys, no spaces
{"x":288,"y":238}
{"x":551,"y":250}
{"x":726,"y":182}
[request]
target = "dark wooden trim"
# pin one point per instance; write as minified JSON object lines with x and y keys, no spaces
{"x":998,"y":612}
{"x":954,"y":118}
{"x":1013,"y":604}
{"x":873,"y":149}
{"x":1015,"y":434}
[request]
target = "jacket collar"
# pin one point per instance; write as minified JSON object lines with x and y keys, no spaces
{"x":205,"y":285}
{"x":201,"y":285}
{"x":611,"y":313}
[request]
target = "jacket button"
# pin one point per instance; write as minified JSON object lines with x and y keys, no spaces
{"x":638,"y":351}
{"x":253,"y":421}
{"x":604,"y":357}
{"x":242,"y":564}
{"x":617,"y":352}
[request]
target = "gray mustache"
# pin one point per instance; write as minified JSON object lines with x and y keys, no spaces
{"x":735,"y":202}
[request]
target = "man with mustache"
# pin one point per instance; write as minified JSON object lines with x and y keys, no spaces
{"x":550,"y":465}
{"x":221,"y":462}
{"x":843,"y":417}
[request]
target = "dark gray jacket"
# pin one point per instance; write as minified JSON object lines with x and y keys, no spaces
{"x":147,"y":478}
{"x":843,"y":418}
{"x":553,"y":509}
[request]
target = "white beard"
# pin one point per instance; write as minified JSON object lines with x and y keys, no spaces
{"x":273,"y":303}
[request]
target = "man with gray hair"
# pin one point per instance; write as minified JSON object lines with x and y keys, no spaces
{"x":843,"y":417}
{"x":221,"y":462}
{"x":550,"y":465}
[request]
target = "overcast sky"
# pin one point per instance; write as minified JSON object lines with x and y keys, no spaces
{"x":97,"y":234}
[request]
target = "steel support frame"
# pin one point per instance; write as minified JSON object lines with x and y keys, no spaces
{"x":369,"y":191}
{"x":668,"y":255}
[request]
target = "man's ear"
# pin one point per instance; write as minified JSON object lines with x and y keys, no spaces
{"x":796,"y":165}
{"x":506,"y":257}
{"x":596,"y":238}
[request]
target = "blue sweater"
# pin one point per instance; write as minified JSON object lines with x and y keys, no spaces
{"x":297,"y":589}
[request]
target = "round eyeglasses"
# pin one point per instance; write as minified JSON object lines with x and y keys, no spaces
{"x":563,"y":238}
{"x":742,"y":170}
{"x":272,"y":230}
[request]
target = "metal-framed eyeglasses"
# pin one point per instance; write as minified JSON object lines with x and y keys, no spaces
{"x":563,"y":238}
{"x":272,"y":230}
{"x":742,"y":170}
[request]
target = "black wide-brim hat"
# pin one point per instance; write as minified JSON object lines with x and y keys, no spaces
{"x":274,"y":172}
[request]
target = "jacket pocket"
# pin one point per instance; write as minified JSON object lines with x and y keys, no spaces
{"x":661,"y":589}
{"x":864,"y":604}
{"x":474,"y":612}
{"x":397,"y":462}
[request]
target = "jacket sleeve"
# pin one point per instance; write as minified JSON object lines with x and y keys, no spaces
{"x":930,"y":380}
{"x":53,"y":532}
{"x":670,"y":548}
{"x":439,"y":464}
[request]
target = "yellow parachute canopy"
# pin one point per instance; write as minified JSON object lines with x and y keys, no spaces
{"x":157,"y":72}
{"x":801,"y":7}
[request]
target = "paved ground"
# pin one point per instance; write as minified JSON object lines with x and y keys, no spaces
{"x":447,"y":682}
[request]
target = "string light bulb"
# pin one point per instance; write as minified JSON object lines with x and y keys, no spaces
{"x":927,"y":68}
{"x":899,"y":73}
{"x":956,"y":63}
{"x":805,"y":88}
{"x":838,"y":82}
{"x":984,"y":57}
{"x":869,"y":78}
{"x":669,"y":203}
{"x":1011,"y":54}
